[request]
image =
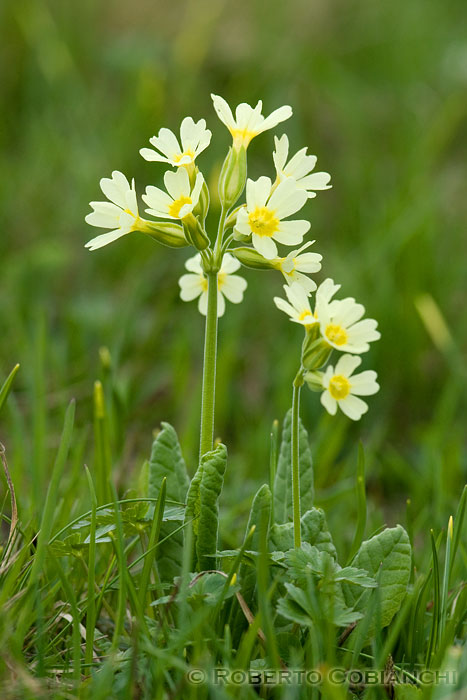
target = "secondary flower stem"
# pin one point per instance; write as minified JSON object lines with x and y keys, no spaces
{"x":298,"y":382}
{"x":209,"y":368}
{"x":220,"y":234}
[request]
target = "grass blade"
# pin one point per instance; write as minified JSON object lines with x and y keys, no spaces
{"x":47,"y":521}
{"x":91,"y":602}
{"x":5,"y":390}
{"x":153,"y":540}
{"x":360,"y":493}
{"x":103,"y":455}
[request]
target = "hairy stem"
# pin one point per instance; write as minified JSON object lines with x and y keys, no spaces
{"x":209,"y":368}
{"x":298,"y":381}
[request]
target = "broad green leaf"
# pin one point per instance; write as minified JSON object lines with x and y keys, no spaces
{"x":307,"y":560}
{"x":314,"y":531}
{"x":386,"y":557}
{"x":283,"y":479}
{"x":298,"y":606}
{"x":193,"y":507}
{"x":208,"y":590}
{"x":167,"y":461}
{"x":213,"y":469}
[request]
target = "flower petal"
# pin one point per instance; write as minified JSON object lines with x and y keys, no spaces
{"x":230,"y":264}
{"x":105,"y":215}
{"x":347,"y":364}
{"x":316,"y":181}
{"x":292,"y":232}
{"x":194,"y":264}
{"x":220,"y":304}
{"x":257,"y":192}
{"x":191,"y":286}
{"x":353,"y":407}
{"x":105,"y":239}
{"x":166,"y":142}
{"x":280,"y":153}
{"x":279,"y":115}
{"x":329,"y":403}
{"x":233,"y":286}
{"x":287,"y":199}
{"x":223,"y":111}
{"x":265,"y":246}
{"x":365,"y":384}
{"x":157,"y":200}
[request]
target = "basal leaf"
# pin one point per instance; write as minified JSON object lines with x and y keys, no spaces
{"x":212,"y":478}
{"x":386,"y":557}
{"x":314,"y":531}
{"x":167,"y":461}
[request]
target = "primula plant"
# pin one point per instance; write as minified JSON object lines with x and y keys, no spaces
{"x":265,"y":219}
{"x":168,"y":609}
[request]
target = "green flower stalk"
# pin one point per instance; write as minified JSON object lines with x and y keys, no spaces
{"x":209,"y":368}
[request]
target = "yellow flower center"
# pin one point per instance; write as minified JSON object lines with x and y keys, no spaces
{"x":339,"y":387}
{"x":263,"y":222}
{"x":174,"y":209}
{"x":177,"y":158}
{"x":306,"y":315}
{"x":242,"y":137}
{"x":336,"y":334}
{"x":204,"y":284}
{"x":287,"y":265}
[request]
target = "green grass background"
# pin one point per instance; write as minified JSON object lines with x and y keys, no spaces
{"x":379,"y":95}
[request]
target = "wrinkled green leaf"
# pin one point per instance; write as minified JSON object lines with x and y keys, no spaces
{"x":213,"y":466}
{"x":283,"y":479}
{"x":298,"y":606}
{"x":387,"y":558}
{"x":314,"y":531}
{"x":167,"y":461}
{"x":308,"y":560}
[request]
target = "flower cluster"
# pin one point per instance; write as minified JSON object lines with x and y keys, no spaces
{"x":249,"y":234}
{"x":333,"y":324}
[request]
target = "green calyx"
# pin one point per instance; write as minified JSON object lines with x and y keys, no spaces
{"x":315,"y":350}
{"x":233,"y":177}
{"x":195,"y":233}
{"x":165,"y":232}
{"x":251,"y":258}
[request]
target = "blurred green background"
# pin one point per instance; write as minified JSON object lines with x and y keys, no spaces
{"x":379,"y":95}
